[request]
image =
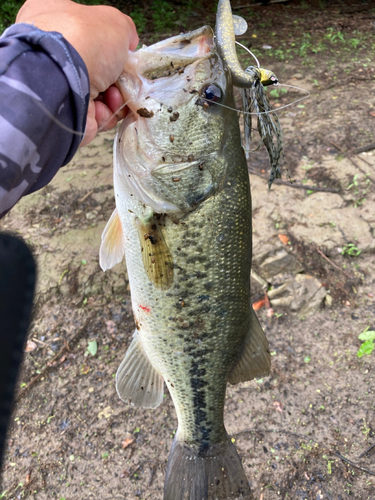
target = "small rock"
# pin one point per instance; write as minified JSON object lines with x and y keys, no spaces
{"x":328,"y":300}
{"x":91,"y":215}
{"x":303,"y":294}
{"x":278,"y":262}
{"x":298,"y":75}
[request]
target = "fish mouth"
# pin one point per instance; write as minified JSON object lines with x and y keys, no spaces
{"x":171,"y":56}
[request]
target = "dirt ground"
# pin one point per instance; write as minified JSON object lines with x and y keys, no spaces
{"x":304,"y":432}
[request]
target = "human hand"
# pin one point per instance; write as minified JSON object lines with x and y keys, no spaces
{"x":103,"y":37}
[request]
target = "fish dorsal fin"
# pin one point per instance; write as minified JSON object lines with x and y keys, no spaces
{"x":156,"y":256}
{"x":137,"y":381}
{"x":255,"y":360}
{"x":112,"y":247}
{"x":239,"y":25}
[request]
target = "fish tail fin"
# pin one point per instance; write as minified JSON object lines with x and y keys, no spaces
{"x":213,"y":474}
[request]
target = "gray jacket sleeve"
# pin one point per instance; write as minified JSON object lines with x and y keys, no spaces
{"x":44,"y":95}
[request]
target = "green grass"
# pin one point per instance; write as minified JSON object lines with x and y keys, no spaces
{"x":8,"y":13}
{"x":367,"y":337}
{"x":308,"y":49}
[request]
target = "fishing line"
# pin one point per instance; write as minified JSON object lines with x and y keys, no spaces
{"x":256,"y":149}
{"x":100,"y":129}
{"x":263,"y":112}
{"x":249,"y":51}
{"x":68,"y":129}
{"x":54,"y":119}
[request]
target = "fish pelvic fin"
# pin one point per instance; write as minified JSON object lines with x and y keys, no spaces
{"x":156,"y":256}
{"x":137,"y":381}
{"x":112,"y":247}
{"x":255,"y":360}
{"x":213,"y":474}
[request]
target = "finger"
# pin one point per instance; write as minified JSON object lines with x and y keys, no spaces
{"x":91,"y":125}
{"x":105,"y":118}
{"x":115,"y":102}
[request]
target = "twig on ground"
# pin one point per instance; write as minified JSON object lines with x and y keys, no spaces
{"x":366,"y":451}
{"x":247,"y":431}
{"x":258,"y":4}
{"x":347,"y":155}
{"x":336,"y":453}
{"x":67,"y":346}
{"x":81,"y":200}
{"x":155,"y":462}
{"x":152,"y":475}
{"x":332,"y":263}
{"x":296,"y":186}
{"x":365,"y":161}
{"x":34,"y":339}
{"x":363,"y":149}
{"x":363,"y":469}
{"x":135,"y":470}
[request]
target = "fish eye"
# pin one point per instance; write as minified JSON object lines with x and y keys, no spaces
{"x":212,"y":93}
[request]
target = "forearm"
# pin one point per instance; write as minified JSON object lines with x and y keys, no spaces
{"x":44,"y":92}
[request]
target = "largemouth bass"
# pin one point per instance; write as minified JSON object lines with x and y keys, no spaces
{"x":183,"y":222}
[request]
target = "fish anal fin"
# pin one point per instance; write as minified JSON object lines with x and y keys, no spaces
{"x":137,"y":381}
{"x":156,"y":256}
{"x":112,"y":247}
{"x":255,"y":360}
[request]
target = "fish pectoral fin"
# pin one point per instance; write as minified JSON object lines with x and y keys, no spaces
{"x":156,"y":256}
{"x":255,"y":360}
{"x":112,"y":247}
{"x":137,"y":381}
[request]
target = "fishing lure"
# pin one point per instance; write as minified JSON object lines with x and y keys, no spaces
{"x":252,"y":83}
{"x":255,"y":101}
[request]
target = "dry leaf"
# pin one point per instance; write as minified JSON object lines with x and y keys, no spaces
{"x":278,"y":406}
{"x":30,"y":346}
{"x":127,"y":442}
{"x":111,"y":326}
{"x":283,"y":238}
{"x":106,"y":413}
{"x":259,"y":304}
